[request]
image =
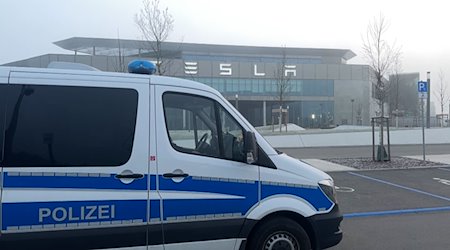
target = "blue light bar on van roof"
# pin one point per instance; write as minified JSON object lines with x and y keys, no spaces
{"x":141,"y":67}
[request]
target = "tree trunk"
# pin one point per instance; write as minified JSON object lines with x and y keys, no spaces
{"x":382,"y":130}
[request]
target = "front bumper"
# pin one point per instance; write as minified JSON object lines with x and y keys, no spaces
{"x":326,"y":228}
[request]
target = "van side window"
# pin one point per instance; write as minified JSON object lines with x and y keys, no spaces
{"x":56,"y":126}
{"x":233,"y":136}
{"x":199,"y":125}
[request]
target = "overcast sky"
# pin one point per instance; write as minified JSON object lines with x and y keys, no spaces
{"x":29,"y":28}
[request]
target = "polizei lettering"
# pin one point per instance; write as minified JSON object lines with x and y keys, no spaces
{"x":72,"y":214}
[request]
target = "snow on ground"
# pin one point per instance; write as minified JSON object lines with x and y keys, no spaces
{"x":444,"y":159}
{"x":290,"y":127}
{"x":352,"y":127}
{"x":331,"y":137}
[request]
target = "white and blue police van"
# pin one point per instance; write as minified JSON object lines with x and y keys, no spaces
{"x":100,"y":160}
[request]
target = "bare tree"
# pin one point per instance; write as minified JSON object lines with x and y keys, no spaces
{"x":441,"y":93}
{"x":394,"y":84}
{"x":359,"y":109}
{"x":394,"y":90}
{"x":381,"y":56}
{"x":282,"y":82}
{"x":119,"y":59}
{"x":156,"y":26}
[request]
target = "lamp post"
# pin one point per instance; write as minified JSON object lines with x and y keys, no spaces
{"x":320,"y":115}
{"x":280,"y":116}
{"x":428,"y":99}
{"x":313,"y":116}
{"x":352,"y":100}
{"x":287,"y":116}
{"x":237,"y":101}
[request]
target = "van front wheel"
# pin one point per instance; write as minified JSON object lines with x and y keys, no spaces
{"x":279,"y":234}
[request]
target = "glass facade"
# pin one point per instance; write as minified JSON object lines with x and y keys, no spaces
{"x":308,"y":114}
{"x":265,"y":87}
{"x":258,"y":59}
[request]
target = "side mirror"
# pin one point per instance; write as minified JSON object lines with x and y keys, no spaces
{"x":250,"y":147}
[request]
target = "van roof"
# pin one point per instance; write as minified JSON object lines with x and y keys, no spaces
{"x":133,"y":78}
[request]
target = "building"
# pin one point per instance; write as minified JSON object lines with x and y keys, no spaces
{"x":323,"y":91}
{"x":405,"y":104}
{"x":403,"y":100}
{"x":403,"y":97}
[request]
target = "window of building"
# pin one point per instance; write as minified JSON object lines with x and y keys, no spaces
{"x":318,"y":88}
{"x":55,"y":126}
{"x":265,"y":87}
{"x":199,"y":125}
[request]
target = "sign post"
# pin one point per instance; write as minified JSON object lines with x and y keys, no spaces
{"x":422,"y":89}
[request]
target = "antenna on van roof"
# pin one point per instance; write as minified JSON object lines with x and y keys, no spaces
{"x":71,"y":65}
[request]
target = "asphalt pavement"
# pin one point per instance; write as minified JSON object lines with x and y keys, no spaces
{"x":394,"y":209}
{"x":362,"y":151}
{"x":389,"y":209}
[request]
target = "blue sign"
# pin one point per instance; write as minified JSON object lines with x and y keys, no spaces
{"x":422,"y":87}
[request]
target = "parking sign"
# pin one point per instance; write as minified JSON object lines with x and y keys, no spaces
{"x":422,"y":88}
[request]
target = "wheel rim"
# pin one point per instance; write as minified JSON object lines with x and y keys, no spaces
{"x":281,"y":241}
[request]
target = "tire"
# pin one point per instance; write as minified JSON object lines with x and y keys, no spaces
{"x":279,"y":234}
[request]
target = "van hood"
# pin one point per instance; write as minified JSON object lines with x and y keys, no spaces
{"x":299,"y":168}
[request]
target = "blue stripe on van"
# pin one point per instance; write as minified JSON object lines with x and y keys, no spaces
{"x":152,"y":182}
{"x":37,"y":214}
{"x":88,"y":182}
{"x":205,"y":208}
{"x":155,"y":211}
{"x":247,"y":190}
{"x":210,"y":185}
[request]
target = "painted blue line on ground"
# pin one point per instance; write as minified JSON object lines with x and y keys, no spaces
{"x":397,"y":212}
{"x":400,"y":186}
{"x":445,"y":169}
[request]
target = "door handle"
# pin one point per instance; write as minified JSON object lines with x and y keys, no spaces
{"x":175,"y":175}
{"x":129,"y":176}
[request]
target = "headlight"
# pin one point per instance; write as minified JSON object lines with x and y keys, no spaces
{"x":328,"y":189}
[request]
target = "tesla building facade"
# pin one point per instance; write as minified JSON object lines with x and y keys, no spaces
{"x":322,"y":90}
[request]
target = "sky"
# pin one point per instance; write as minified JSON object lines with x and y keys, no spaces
{"x":420,"y":28}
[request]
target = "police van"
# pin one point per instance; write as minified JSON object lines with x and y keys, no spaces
{"x":100,"y":160}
